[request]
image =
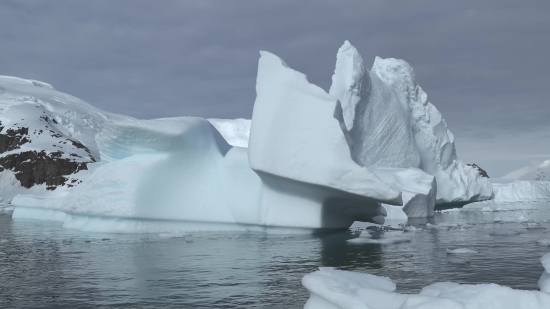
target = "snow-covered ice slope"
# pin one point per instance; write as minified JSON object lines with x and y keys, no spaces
{"x":522,"y":191}
{"x":170,"y":169}
{"x":337,"y":289}
{"x":235,"y":131}
{"x":539,"y":172}
{"x":390,"y":123}
{"x":300,"y":152}
{"x":45,"y":135}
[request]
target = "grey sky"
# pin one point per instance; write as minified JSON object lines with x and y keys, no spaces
{"x":484,"y":64}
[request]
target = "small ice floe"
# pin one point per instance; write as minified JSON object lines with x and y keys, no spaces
{"x":411,"y":228}
{"x":383,"y":241}
{"x":522,"y":219}
{"x":508,"y":220}
{"x":543,"y":242}
{"x":497,"y":219}
{"x":365,"y":234}
{"x":449,"y":210}
{"x":389,"y":237}
{"x":535,"y":226}
{"x":486,"y":209}
{"x":447,"y":224}
{"x":461,"y":251}
{"x":457,"y":260}
{"x":504,"y":233}
{"x":173,"y":235}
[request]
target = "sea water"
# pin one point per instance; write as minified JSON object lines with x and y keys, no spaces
{"x":45,"y":266}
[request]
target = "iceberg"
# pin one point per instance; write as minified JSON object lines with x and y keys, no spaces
{"x":300,"y":152}
{"x":390,"y":123}
{"x":525,"y":191}
{"x":180,"y":174}
{"x":337,"y":289}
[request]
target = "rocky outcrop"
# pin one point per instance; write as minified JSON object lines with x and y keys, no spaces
{"x":35,"y":168}
{"x":40,"y":167}
{"x":481,"y":171}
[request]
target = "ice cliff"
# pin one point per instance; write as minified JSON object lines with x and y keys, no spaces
{"x":390,"y":123}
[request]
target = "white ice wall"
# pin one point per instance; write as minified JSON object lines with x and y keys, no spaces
{"x":392,"y":124}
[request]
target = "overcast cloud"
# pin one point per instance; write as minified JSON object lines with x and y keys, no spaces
{"x":484,"y":64}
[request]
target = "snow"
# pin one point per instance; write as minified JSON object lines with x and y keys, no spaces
{"x":235,"y":131}
{"x":337,"y":289}
{"x":389,"y":123}
{"x":522,"y":191}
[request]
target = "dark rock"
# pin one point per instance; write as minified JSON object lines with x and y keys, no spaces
{"x":34,"y":168}
{"x":481,"y":171}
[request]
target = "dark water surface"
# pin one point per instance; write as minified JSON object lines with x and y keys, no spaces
{"x":45,"y":266}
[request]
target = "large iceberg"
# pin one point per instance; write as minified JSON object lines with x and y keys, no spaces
{"x":298,"y":149}
{"x":337,"y":289}
{"x":181,"y":174}
{"x":390,"y":123}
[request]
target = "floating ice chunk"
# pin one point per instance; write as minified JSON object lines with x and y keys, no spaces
{"x":544,"y":282}
{"x":365,"y":234}
{"x":497,"y":219}
{"x":509,"y":220}
{"x":456,"y":260}
{"x":411,"y":228}
{"x":335,"y":289}
{"x":543,"y":242}
{"x":174,"y":235}
{"x":450,"y":210}
{"x":461,"y":251}
{"x":522,"y":219}
{"x":504,"y":233}
{"x":384,"y":240}
{"x":486,"y":209}
{"x":448,"y":224}
{"x":535,"y":226}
